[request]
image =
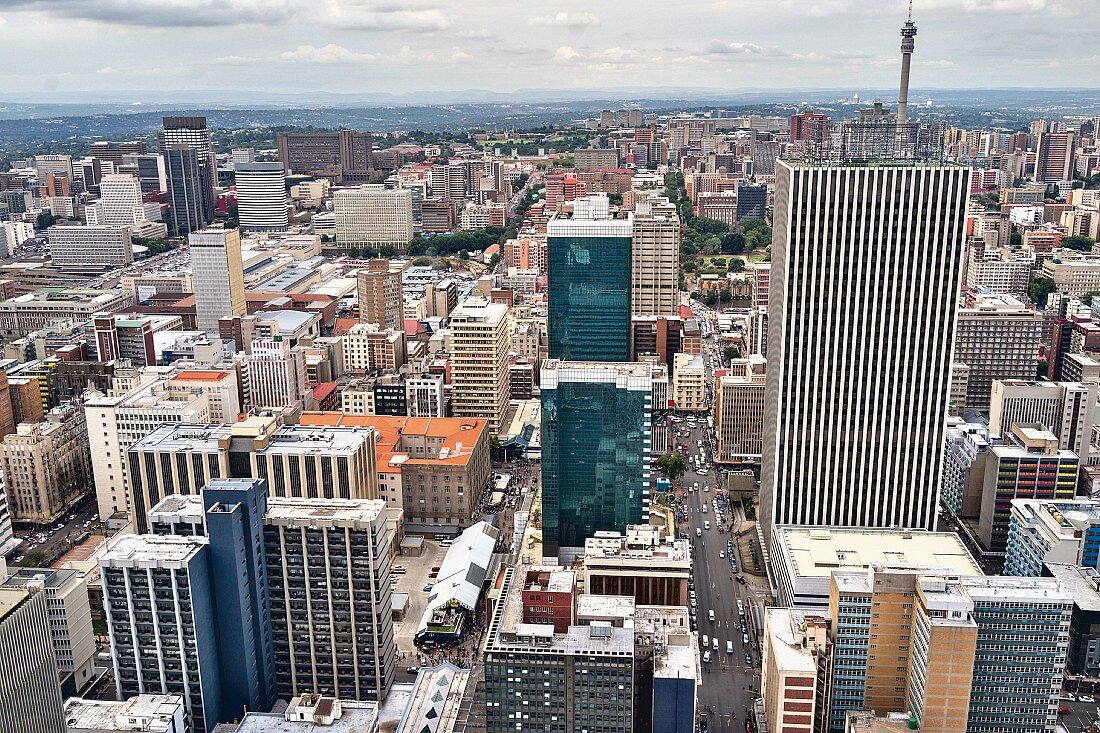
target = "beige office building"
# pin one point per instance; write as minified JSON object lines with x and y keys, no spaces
{"x":655,"y":265}
{"x":380,"y":294}
{"x":373,"y":215}
{"x":218,"y":274}
{"x":479,"y":360}
{"x":46,"y":465}
{"x":739,"y":411}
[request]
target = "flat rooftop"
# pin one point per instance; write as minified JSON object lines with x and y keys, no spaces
{"x":50,"y":577}
{"x":999,"y":589}
{"x":785,"y":641}
{"x":331,"y":512}
{"x":112,"y":715}
{"x":154,"y":550}
{"x":179,"y":438}
{"x":817,"y":552}
{"x":1081,"y":583}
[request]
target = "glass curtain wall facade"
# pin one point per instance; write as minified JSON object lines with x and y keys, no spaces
{"x":589,"y":282}
{"x":596,"y":450}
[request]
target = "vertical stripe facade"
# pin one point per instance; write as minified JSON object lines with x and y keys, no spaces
{"x":866,"y":267}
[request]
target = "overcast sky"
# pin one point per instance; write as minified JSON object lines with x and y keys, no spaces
{"x":409,"y":45}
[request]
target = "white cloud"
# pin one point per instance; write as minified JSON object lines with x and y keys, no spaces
{"x":572,"y":21}
{"x":330,"y":54}
{"x":457,"y":54}
{"x":164,"y":13}
{"x":565,"y":53}
{"x":367,"y":15}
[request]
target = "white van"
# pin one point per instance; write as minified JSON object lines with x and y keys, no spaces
{"x":714,"y":641}
{"x":706,"y":641}
{"x":704,"y":509}
{"x":729,"y":647}
{"x":711,"y":614}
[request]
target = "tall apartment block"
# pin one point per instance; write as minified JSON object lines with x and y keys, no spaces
{"x":70,"y":617}
{"x":261,"y":197}
{"x":998,"y":338}
{"x":332,"y":625}
{"x":31,"y":699}
{"x":218,"y":272}
{"x":159,"y":607}
{"x":845,"y":443}
{"x":373,"y":215}
{"x":344,"y":156}
{"x":380,"y":294}
{"x":739,"y":411}
{"x":590,"y":282}
{"x":596,"y":443}
{"x":480,"y":379}
{"x":1032,"y":467}
{"x":655,"y":265}
{"x":186,"y":194}
{"x":1054,"y":157}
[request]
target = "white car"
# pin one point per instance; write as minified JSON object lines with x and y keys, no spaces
{"x":722,"y":553}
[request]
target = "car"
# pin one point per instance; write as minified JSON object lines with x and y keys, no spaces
{"x":741,"y":579}
{"x":721,"y":553}
{"x":714,"y":642}
{"x":698,"y":532}
{"x":745,"y":638}
{"x":748,"y":659}
{"x":729,"y":647}
{"x":710,"y":614}
{"x":706,"y":488}
{"x":427,"y":588}
{"x":706,"y":525}
{"x":706,"y":641}
{"x":706,"y":657}
{"x":694,"y":603}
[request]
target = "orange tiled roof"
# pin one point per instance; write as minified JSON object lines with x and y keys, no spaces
{"x":196,"y":375}
{"x":452,"y":430}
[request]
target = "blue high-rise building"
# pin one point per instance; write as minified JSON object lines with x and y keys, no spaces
{"x":589,"y":261}
{"x":596,"y":421}
{"x":235,"y":511}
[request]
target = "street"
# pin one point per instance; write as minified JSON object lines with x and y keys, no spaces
{"x":728,"y":683}
{"x":45,"y":544}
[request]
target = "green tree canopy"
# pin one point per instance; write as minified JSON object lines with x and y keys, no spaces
{"x":1039,"y":289}
{"x":1083,"y":244}
{"x":672,"y":465}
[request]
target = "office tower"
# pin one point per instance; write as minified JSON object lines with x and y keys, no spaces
{"x":739,"y":411}
{"x":14,"y":234}
{"x":90,"y":248}
{"x":845,"y":443}
{"x":998,"y":337}
{"x":176,"y":460}
{"x":184,"y":180}
{"x":1041,"y":532}
{"x":218,"y":272}
{"x":561,"y":668}
{"x":342,"y":155}
{"x":589,"y":281}
{"x":329,"y":567}
{"x":966,"y":449}
{"x":1054,"y":157}
{"x":60,"y":166}
{"x":366,"y":348}
{"x":47,"y":465}
{"x":655,"y":265}
{"x":794,"y":678}
{"x":1065,"y":408}
{"x":479,"y":360}
{"x":751,"y":202}
{"x":915,"y":623}
{"x":150,"y":171}
{"x":115,"y":152}
{"x":380,"y":294}
{"x":441,"y":298}
{"x":277,"y":374}
{"x":432,"y":470}
{"x":261,"y":197}
{"x":640,"y":564}
{"x":373,"y":215}
{"x":120,"y":203}
{"x":192,"y":133}
{"x":235,"y":511}
{"x":595,"y":449}
{"x":1023,"y":634}
{"x":117,"y":422}
{"x":1031,"y":467}
{"x":30,"y":695}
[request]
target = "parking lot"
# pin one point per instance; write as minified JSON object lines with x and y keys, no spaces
{"x":413,"y":581}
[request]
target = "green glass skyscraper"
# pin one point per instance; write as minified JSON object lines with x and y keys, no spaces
{"x":589,"y":282}
{"x":595,"y":449}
